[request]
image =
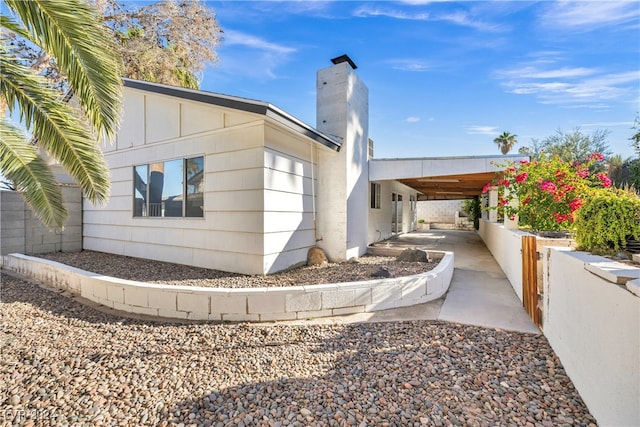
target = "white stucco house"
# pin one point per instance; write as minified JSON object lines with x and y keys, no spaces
{"x":239,"y":185}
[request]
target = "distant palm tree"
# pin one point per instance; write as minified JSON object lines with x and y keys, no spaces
{"x":71,"y":33}
{"x":506,"y":141}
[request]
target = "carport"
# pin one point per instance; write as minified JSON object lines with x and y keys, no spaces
{"x":442,"y":178}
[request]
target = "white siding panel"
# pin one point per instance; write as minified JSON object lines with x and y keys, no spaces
{"x":196,"y":119}
{"x":122,"y":173}
{"x":287,"y":163}
{"x":280,"y":261}
{"x":251,"y":136}
{"x":236,"y":118}
{"x":249,"y":222}
{"x":287,"y":241}
{"x":122,"y":188}
{"x":227,"y":261}
{"x":164,"y":253}
{"x":245,"y":179}
{"x":291,"y":143}
{"x":244,"y":159}
{"x":131,"y":131}
{"x":162,"y":118}
{"x":287,"y":182}
{"x":237,"y":242}
{"x":249,"y":200}
{"x":120,"y":203}
{"x":103,"y":245}
{"x":287,"y":202}
{"x":105,"y":231}
{"x":102,"y":216}
{"x":287,"y":221}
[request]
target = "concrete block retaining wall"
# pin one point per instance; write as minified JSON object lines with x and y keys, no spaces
{"x":242,"y":304}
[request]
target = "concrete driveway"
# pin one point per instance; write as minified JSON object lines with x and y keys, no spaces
{"x":480,"y":294}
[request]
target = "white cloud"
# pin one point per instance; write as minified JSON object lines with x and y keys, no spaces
{"x":606,"y":124}
{"x":412,"y":119}
{"x":414,"y":65}
{"x":232,"y":37}
{"x":483,"y":130}
{"x":463,"y":19}
{"x":569,"y":86}
{"x":266,"y":57}
{"x":564,"y":72}
{"x":366,"y":12}
{"x":589,"y":14}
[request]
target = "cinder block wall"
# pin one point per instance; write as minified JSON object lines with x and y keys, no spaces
{"x":22,"y":232}
{"x":441,"y":211}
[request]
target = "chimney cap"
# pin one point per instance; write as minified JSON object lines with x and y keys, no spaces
{"x":344,"y":58}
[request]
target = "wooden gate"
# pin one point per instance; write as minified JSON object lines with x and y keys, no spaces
{"x":530,"y":278}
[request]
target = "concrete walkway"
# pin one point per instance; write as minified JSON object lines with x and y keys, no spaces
{"x":480,"y":293}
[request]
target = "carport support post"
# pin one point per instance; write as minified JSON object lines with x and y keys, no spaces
{"x":493,"y":204}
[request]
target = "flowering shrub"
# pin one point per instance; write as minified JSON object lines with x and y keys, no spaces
{"x":550,"y":191}
{"x":606,"y":220}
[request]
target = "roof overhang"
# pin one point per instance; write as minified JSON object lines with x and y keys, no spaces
{"x":242,"y":104}
{"x":442,"y":178}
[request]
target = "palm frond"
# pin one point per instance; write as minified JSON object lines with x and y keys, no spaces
{"x":20,"y":162}
{"x":55,"y":126}
{"x":71,"y":32}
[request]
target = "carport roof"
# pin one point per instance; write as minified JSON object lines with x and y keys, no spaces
{"x":442,"y":178}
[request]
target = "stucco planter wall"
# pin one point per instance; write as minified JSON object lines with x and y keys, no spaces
{"x":242,"y":304}
{"x":593,"y":325}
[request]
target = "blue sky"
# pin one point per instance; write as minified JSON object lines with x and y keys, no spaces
{"x":444,"y":78}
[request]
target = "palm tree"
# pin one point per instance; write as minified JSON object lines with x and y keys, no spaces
{"x":71,"y":33}
{"x":506,"y":141}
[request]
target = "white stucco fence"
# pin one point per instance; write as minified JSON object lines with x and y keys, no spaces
{"x":593,"y":326}
{"x":591,"y":318}
{"x":241,"y":304}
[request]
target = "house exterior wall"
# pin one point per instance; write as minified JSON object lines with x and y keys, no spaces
{"x":343,"y":110}
{"x":257,"y":190}
{"x":290,"y":170}
{"x":379,"y":227}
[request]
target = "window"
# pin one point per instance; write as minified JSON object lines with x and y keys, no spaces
{"x":169,"y":189}
{"x":375,"y":196}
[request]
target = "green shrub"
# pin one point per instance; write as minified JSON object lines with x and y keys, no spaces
{"x":473,"y":208}
{"x":606,"y":220}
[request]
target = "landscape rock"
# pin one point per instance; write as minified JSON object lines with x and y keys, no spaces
{"x":381,"y":272}
{"x":316,"y":256}
{"x":413,"y":255}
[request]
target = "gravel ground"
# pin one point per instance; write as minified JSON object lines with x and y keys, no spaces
{"x":64,"y":363}
{"x":150,"y":271}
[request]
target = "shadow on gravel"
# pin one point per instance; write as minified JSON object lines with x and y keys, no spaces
{"x":399,"y":373}
{"x":408,"y":373}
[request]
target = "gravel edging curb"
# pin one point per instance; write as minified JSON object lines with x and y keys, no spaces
{"x":238,"y":304}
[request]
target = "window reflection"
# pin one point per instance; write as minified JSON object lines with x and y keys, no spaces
{"x":160,"y":189}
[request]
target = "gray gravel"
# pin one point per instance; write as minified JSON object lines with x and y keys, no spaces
{"x":130,"y":268}
{"x":64,"y":363}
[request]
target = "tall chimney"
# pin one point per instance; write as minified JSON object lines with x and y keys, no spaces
{"x":343,"y":110}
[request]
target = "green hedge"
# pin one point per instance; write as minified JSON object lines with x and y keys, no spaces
{"x":606,"y":220}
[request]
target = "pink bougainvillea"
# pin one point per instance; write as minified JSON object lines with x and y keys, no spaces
{"x":520,"y":178}
{"x":550,"y":190}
